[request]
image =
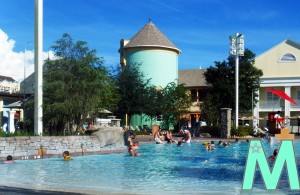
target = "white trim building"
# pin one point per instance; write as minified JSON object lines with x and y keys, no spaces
{"x":281,"y":69}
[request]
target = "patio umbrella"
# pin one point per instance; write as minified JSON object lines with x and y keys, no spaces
{"x":17,"y":104}
{"x":281,"y":94}
{"x":104,"y":111}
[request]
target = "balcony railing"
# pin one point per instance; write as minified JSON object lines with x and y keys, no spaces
{"x":276,"y":104}
{"x":296,"y":106}
{"x":271,"y":103}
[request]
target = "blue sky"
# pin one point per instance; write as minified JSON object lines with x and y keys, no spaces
{"x":199,"y":28}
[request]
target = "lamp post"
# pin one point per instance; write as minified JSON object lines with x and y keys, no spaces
{"x":38,"y":65}
{"x":237,"y":49}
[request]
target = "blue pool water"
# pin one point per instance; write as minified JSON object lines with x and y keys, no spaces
{"x":161,"y":169}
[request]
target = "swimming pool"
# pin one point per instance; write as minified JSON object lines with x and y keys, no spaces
{"x":162,"y":169}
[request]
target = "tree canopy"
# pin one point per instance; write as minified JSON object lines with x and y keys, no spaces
{"x":75,"y":84}
{"x":176,"y":101}
{"x":139,"y":96}
{"x":133,"y":90}
{"x":221,"y":80}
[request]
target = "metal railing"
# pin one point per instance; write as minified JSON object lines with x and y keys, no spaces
{"x":271,"y":103}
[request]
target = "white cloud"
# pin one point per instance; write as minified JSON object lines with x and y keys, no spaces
{"x":12,"y":63}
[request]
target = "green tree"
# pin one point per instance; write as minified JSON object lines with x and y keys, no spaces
{"x":138,"y":96}
{"x":75,"y":84}
{"x":133,"y":90}
{"x":221,"y":79}
{"x":155,"y":100}
{"x":209,"y":110}
{"x":176,"y":101}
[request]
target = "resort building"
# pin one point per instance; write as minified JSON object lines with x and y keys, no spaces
{"x":9,"y":94}
{"x":157,"y":58}
{"x":195,"y":82}
{"x":281,"y":71}
{"x":8,"y":85}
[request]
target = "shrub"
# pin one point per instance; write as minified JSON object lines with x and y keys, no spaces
{"x":16,"y":133}
{"x":241,"y":131}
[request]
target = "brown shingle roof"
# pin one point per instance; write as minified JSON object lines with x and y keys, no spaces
{"x":149,"y":35}
{"x":2,"y":78}
{"x":192,"y":78}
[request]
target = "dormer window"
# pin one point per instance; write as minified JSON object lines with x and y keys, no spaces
{"x":288,"y":57}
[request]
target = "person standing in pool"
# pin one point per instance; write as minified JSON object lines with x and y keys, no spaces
{"x":131,"y":150}
{"x":157,"y":137}
{"x":186,"y":136}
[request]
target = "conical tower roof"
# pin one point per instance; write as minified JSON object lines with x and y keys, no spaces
{"x":150,"y":36}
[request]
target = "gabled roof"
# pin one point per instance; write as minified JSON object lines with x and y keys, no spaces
{"x":192,"y":78}
{"x":150,"y":36}
{"x":286,"y":41}
{"x":2,"y":78}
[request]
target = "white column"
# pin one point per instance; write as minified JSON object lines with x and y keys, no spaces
{"x":287,"y":104}
{"x":11,"y":122}
{"x":236,"y":91}
{"x":38,"y":67}
{"x":256,"y":110}
{"x":1,"y":110}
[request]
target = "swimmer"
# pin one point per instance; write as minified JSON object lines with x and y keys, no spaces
{"x":132,"y":151}
{"x":9,"y":160}
{"x":66,"y":155}
{"x":179,"y":143}
{"x":135,"y":145}
{"x":274,"y":156}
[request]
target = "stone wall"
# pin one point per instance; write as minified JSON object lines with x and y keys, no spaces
{"x":106,"y":139}
{"x":225,"y":122}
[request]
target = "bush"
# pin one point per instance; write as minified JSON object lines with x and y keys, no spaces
{"x":241,"y":131}
{"x":16,"y":133}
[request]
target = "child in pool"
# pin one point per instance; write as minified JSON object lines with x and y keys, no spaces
{"x":131,"y":150}
{"x":66,"y":155}
{"x":9,"y":160}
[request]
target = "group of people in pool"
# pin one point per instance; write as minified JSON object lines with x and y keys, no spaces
{"x":9,"y":158}
{"x":159,"y":137}
{"x":133,"y":146}
{"x":211,"y":145}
